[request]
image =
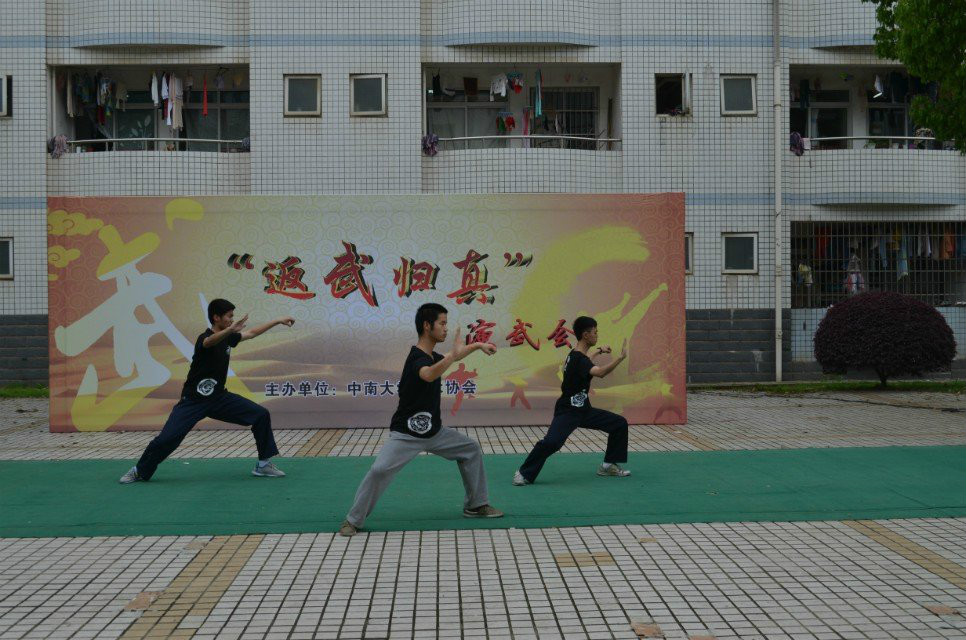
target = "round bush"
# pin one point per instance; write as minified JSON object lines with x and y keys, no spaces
{"x":889,"y":333}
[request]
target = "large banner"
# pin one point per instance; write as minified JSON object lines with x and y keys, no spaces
{"x":131,"y":278}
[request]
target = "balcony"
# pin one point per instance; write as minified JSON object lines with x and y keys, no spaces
{"x":487,"y":22}
{"x":150,"y":173}
{"x":830,"y":24}
{"x":876,"y":176}
{"x":862,"y":147}
{"x":155,"y":23}
{"x":504,"y":165}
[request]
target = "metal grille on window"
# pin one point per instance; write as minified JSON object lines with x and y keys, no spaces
{"x":833,"y":260}
{"x":570,"y":111}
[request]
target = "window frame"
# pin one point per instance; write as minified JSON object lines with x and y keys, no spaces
{"x":724,"y":252}
{"x":687,"y":107}
{"x":8,"y":240}
{"x":754,"y":93}
{"x":689,"y":253}
{"x":384,"y":77}
{"x":318,"y":95}
{"x":7,"y":84}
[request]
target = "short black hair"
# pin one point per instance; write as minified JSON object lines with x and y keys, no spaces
{"x":428,"y":312}
{"x":218,"y":307}
{"x":582,"y":325}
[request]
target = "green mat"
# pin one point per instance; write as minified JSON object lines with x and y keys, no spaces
{"x":212,"y":496}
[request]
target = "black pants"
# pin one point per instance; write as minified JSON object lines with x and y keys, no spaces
{"x":564,"y":424}
{"x":227,"y":407}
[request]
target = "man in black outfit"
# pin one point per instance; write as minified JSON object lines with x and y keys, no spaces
{"x":204,"y":396}
{"x":416,"y":426}
{"x":573,"y":409}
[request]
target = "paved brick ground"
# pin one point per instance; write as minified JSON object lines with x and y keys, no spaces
{"x":870,"y":579}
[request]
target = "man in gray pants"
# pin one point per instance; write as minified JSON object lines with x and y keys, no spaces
{"x":416,"y":426}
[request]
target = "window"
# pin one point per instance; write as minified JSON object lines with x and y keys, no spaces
{"x":227,"y":119}
{"x":738,"y":97}
{"x":456,"y":114}
{"x":570,"y":111}
{"x":6,"y":84}
{"x":303,"y":95}
{"x":688,"y":253}
{"x":831,"y":260}
{"x":740,"y":253}
{"x":672,"y":94}
{"x":6,"y":258}
{"x":367,"y":94}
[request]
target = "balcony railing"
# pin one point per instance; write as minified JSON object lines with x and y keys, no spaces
{"x":586,"y":143}
{"x":874,"y":142}
{"x":157,"y":144}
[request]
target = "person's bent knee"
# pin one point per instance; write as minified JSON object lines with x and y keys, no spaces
{"x":553,"y":446}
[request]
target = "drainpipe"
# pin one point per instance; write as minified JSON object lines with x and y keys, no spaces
{"x":780,"y":145}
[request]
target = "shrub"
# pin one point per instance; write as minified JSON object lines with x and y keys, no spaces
{"x":889,"y":333}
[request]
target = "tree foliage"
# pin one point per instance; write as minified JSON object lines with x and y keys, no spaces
{"x":929,"y":38}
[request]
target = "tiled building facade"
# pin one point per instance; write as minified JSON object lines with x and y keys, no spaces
{"x":637,"y":97}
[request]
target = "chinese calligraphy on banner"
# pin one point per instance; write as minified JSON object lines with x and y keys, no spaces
{"x":130,"y":279}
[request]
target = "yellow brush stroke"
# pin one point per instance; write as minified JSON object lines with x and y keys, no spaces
{"x":61,"y":256}
{"x":51,"y":276}
{"x":61,"y":223}
{"x":549,"y":281}
{"x":183,"y":209}
{"x":122,"y":253}
{"x":90,"y":415}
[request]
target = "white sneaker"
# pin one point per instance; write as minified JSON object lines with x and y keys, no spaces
{"x":519,"y":480}
{"x":268,"y":471}
{"x":131,"y":476}
{"x":613,"y":470}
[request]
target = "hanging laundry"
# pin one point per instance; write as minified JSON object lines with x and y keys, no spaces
{"x":884,"y":251}
{"x":796,"y":144}
{"x":948,"y":250}
{"x":169,"y":102}
{"x":516,"y":81}
{"x":498,"y":86}
{"x":821,"y":243}
{"x":154,"y":89}
{"x":923,"y":246}
{"x":526,"y":126}
{"x":538,"y":101}
{"x":805,"y":274}
{"x":177,"y":100}
{"x":902,"y":270}
{"x":121,"y":96}
{"x":854,"y":280}
{"x":879,"y":89}
{"x":505,"y":122}
{"x":57,"y":146}
{"x":70,"y":95}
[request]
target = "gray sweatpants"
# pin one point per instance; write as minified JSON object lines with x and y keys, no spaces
{"x":401,"y":448}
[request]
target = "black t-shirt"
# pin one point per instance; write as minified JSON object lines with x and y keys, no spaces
{"x":418,"y":411}
{"x":209,"y":367}
{"x":576,"y":384}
